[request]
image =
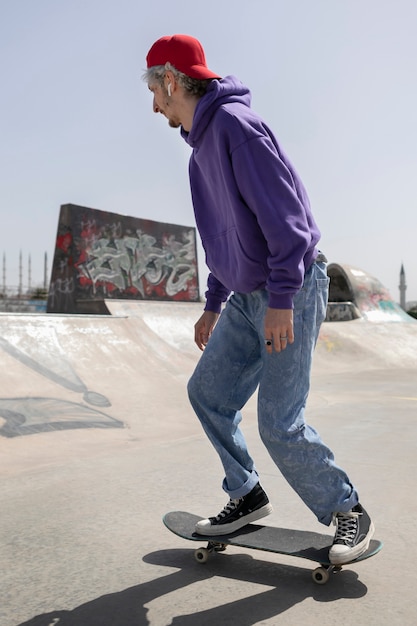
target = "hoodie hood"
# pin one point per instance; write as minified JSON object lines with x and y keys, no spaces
{"x":228,"y":90}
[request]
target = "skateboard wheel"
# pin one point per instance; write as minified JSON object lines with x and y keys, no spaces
{"x":201,"y":555}
{"x":320,"y":575}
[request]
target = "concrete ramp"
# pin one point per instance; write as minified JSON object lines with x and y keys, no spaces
{"x":66,"y":372}
{"x":354,"y":345}
{"x":361,"y":345}
{"x":130,"y":369}
{"x":173,"y":322}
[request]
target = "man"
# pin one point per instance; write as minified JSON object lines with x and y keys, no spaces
{"x":260,"y":240}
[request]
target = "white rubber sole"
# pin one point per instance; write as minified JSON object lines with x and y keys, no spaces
{"x":348,"y":555}
{"x":205,"y":528}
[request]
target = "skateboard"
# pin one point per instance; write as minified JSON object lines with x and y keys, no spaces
{"x":298,"y":543}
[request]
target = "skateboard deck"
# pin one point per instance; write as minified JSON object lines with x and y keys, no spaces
{"x":298,"y":543}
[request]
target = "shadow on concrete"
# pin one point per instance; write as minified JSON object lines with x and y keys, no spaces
{"x":287,"y":587}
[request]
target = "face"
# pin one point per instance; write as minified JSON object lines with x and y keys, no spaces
{"x":164,"y":104}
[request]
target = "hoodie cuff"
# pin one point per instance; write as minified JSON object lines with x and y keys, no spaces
{"x":213,"y":304}
{"x":280,"y":301}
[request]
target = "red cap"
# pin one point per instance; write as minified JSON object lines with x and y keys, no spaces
{"x":184,"y":52}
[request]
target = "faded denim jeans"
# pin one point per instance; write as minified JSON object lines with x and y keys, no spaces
{"x":234,"y":364}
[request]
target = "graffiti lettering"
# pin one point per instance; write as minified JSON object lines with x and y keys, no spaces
{"x":124,"y":263}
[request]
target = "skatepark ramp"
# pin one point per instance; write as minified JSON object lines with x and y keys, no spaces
{"x":84,"y":371}
{"x":87,"y":371}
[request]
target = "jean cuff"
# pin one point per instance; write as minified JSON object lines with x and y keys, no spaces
{"x":244,"y":489}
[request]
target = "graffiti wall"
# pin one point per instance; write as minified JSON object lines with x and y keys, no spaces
{"x":101,"y":255}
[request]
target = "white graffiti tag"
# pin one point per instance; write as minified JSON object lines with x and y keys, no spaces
{"x":129,"y":261}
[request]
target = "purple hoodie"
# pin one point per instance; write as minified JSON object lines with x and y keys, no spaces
{"x":251,"y":208}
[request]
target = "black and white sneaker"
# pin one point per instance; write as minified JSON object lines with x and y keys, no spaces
{"x":236,"y":514}
{"x":353,"y":534}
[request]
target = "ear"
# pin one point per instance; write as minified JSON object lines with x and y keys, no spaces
{"x":169,"y":82}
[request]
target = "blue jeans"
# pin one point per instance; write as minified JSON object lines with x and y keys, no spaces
{"x":234,"y":364}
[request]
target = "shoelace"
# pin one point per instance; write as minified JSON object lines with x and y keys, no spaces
{"x":347,"y":524}
{"x":229,"y":508}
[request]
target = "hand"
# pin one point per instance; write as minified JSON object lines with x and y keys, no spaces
{"x":204,"y":327}
{"x":278,"y":328}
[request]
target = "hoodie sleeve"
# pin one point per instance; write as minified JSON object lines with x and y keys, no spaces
{"x":216,"y":294}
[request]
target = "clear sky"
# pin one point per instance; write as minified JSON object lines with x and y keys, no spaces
{"x":335,"y":79}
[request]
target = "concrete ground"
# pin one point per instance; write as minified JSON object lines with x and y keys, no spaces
{"x":97,"y":442}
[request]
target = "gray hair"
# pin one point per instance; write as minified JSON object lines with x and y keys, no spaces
{"x":193,"y":86}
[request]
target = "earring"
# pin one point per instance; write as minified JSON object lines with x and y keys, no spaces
{"x":169,"y":89}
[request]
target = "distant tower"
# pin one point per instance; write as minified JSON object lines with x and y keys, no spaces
{"x":29,"y":273}
{"x":45,"y":272}
{"x":20,"y":275}
{"x":403,"y":288}
{"x":4,"y":274}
